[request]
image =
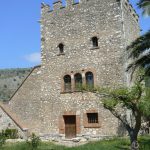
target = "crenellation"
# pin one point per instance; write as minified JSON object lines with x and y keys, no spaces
{"x":42,"y":5}
{"x":57,"y":5}
{"x":45,"y":8}
{"x":132,"y":11}
{"x":69,"y":3}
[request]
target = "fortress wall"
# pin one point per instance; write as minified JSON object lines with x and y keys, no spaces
{"x":131,"y":31}
{"x":131,"y":23}
{"x":40,"y":101}
{"x":74,"y":26}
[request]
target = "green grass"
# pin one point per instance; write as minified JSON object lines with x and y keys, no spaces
{"x":115,"y":144}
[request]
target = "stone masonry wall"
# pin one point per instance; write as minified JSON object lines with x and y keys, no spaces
{"x":7,"y":122}
{"x":26,"y":102}
{"x":41,"y":101}
{"x":131,"y":31}
{"x":131,"y":23}
{"x":74,"y":26}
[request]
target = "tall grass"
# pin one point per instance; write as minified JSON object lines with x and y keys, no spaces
{"x":115,"y":144}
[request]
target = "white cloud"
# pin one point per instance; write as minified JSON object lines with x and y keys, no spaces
{"x":33,"y":58}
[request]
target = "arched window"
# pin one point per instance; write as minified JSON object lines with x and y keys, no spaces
{"x":89,"y":79}
{"x":67,"y":83}
{"x":95,"y":41}
{"x":78,"y":81}
{"x":61,"y":48}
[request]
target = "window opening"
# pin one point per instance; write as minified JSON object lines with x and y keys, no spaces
{"x":67,"y":83}
{"x":78,"y":81}
{"x":89,"y":79}
{"x":61,"y":48}
{"x":95,"y":41}
{"x":92,"y":117}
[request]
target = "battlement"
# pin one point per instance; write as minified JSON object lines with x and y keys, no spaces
{"x":130,"y":8}
{"x":57,"y":5}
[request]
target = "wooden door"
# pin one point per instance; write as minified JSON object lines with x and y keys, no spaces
{"x":70,"y":126}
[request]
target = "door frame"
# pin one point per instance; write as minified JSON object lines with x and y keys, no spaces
{"x":65,"y":117}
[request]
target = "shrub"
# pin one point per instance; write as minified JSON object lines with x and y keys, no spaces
{"x":10,"y":133}
{"x":2,"y":139}
{"x":34,"y":142}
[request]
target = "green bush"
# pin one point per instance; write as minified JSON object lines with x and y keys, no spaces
{"x":2,"y":139}
{"x":10,"y":133}
{"x":34,"y":142}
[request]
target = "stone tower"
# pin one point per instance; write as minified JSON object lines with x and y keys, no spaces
{"x":81,"y":44}
{"x":81,"y":38}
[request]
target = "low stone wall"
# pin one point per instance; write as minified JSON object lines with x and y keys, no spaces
{"x":78,"y":138}
{"x":10,"y":121}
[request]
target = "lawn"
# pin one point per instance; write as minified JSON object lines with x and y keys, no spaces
{"x":115,"y":144}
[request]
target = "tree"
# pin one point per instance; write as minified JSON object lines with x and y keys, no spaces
{"x":139,"y":50}
{"x":119,"y":100}
{"x":135,"y":99}
{"x":145,"y":5}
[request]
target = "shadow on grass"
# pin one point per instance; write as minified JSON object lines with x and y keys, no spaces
{"x":144,"y":143}
{"x":122,"y":148}
{"x":123,"y":145}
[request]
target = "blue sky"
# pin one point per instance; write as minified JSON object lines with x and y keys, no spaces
{"x":20,"y":32}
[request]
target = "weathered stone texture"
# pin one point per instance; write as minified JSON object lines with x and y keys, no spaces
{"x":41,"y":101}
{"x":26,"y":102}
{"x":74,"y":26}
{"x":7,"y":122}
{"x":131,"y":31}
{"x":130,"y":22}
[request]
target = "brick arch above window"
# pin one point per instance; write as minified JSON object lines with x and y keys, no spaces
{"x":89,"y":77}
{"x":67,"y":83}
{"x":64,"y":85}
{"x":85,"y":71}
{"x":78,"y":81}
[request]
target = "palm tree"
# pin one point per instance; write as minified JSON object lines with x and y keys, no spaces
{"x":139,"y":50}
{"x":145,"y":5}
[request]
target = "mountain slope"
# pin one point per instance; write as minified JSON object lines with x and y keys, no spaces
{"x":10,"y":80}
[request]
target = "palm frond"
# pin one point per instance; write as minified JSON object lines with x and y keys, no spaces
{"x":145,"y":5}
{"x":140,"y":45}
{"x":143,"y":61}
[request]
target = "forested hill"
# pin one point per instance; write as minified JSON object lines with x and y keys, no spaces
{"x":10,"y":80}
